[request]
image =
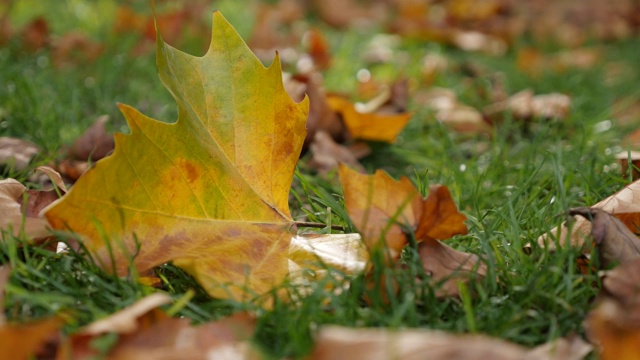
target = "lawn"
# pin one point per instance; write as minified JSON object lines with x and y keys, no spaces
{"x":513,"y":183}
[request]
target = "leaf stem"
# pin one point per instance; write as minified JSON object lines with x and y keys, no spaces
{"x":317,"y":225}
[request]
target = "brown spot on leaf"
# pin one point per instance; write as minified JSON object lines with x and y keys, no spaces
{"x":190,"y":170}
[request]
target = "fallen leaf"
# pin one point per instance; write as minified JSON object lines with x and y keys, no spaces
{"x":369,"y":126}
{"x":17,"y":153}
{"x":315,"y":256}
{"x":448,"y":267}
{"x":340,"y":251}
{"x":342,"y":14}
{"x":13,"y":218}
{"x":94,"y":144}
{"x":454,"y":114}
{"x":334,"y":342}
{"x":478,"y":41}
{"x":383,"y":210}
{"x":24,"y":341}
{"x":74,"y":48}
{"x":171,"y":338}
{"x":624,"y":205}
{"x":613,"y":323}
{"x":126,"y":320}
{"x":35,"y":35}
{"x":629,"y":161}
{"x":380,"y":207}
{"x":327,"y":154}
{"x":525,"y":105}
{"x":146,"y":332}
{"x":440,"y":219}
{"x":318,"y":48}
{"x":615,"y":242}
{"x":209,"y":192}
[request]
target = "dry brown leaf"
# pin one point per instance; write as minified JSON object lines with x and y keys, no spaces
{"x":452,"y":113}
{"x":27,"y":341}
{"x":318,"y":48}
{"x":146,"y":332}
{"x":74,"y":48}
{"x":440,"y":219}
{"x":94,"y":144}
{"x":369,"y":126}
{"x":345,"y":13}
{"x":334,"y":342}
{"x":625,"y":205}
{"x":24,"y":341}
{"x":616,"y":243}
{"x":525,"y":105}
{"x":379,"y":207}
{"x":177,"y":339}
{"x":35,"y":35}
{"x":126,"y":320}
{"x":13,"y":219}
{"x":478,"y":41}
{"x":614,"y":323}
{"x":449,"y":267}
{"x":327,"y":154}
{"x":16,"y":153}
{"x":383,"y":209}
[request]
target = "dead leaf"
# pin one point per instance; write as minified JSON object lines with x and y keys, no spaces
{"x":334,"y":342}
{"x":74,"y":48}
{"x":29,"y":340}
{"x":525,"y":105}
{"x":613,"y":323}
{"x":369,"y":126}
{"x":146,"y":332}
{"x":125,"y":321}
{"x":440,"y":219}
{"x":209,"y":192}
{"x":318,"y":48}
{"x":35,"y":35}
{"x":341,"y":14}
{"x":94,"y":144}
{"x":379,"y":208}
{"x":478,"y":41}
{"x":24,"y":341}
{"x":616,"y":243}
{"x":17,"y":153}
{"x":170,"y":338}
{"x":452,"y":113}
{"x":383,"y":210}
{"x":623,"y":159}
{"x":13,"y":219}
{"x":625,"y":205}
{"x":327,"y":154}
{"x":448,"y":267}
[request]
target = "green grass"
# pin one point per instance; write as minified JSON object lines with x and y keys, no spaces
{"x":516,"y":188}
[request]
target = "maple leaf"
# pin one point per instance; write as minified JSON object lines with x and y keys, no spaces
{"x":209,"y":191}
{"x":369,"y":126}
{"x":384,"y":210}
{"x":623,"y":205}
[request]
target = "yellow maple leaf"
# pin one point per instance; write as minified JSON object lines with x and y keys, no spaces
{"x":209,"y":191}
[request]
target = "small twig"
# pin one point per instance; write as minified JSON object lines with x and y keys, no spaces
{"x":317,"y":225}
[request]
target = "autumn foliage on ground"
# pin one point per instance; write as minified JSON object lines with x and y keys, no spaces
{"x":248,"y":211}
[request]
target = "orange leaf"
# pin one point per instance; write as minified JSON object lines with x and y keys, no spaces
{"x":379,"y":206}
{"x":440,"y":218}
{"x":369,"y":126}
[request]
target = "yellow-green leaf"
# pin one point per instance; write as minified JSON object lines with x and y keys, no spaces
{"x":208,"y":191}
